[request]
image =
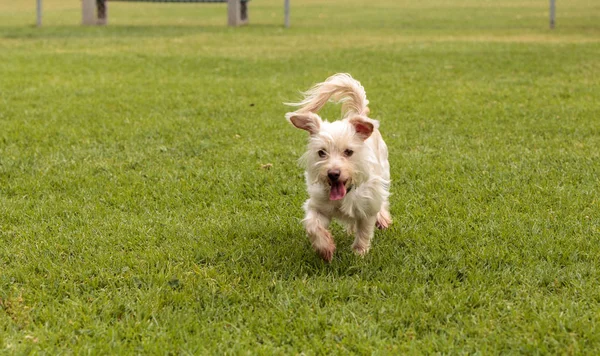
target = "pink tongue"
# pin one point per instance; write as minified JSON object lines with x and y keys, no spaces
{"x":338,"y":191}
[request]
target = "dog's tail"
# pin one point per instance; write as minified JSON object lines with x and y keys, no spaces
{"x":339,"y":88}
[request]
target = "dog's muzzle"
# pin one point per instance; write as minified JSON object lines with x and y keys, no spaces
{"x":338,"y":188}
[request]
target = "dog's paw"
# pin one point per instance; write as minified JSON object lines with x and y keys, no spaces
{"x":360,"y":250}
{"x":384,"y":220}
{"x":323,"y":244}
{"x":326,"y":254}
{"x":351,"y":229}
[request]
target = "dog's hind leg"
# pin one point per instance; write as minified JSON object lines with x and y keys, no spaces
{"x":316,"y":225}
{"x":364,"y":234}
{"x":384,"y":218}
{"x":350,"y":227}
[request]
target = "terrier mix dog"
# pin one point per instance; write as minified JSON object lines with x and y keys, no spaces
{"x":347,"y":169}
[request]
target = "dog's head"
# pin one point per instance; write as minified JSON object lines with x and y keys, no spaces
{"x":337,"y":154}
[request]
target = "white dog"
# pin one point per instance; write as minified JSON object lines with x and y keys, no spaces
{"x":347,"y":168}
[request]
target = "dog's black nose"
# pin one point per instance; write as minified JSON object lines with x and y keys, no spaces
{"x":333,"y":174}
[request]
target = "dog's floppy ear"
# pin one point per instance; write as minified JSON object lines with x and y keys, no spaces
{"x":363,"y":125}
{"x":305,"y":121}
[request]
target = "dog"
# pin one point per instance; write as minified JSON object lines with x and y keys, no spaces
{"x":346,"y":166}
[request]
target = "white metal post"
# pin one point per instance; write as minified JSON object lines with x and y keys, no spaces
{"x":38,"y":22}
{"x":286,"y":11}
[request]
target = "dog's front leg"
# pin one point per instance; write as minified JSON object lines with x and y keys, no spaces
{"x":316,"y":225}
{"x":364,"y":234}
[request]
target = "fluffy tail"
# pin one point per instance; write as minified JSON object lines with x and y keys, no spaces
{"x":339,"y":88}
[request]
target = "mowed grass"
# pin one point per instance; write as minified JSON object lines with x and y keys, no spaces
{"x":136,"y":216}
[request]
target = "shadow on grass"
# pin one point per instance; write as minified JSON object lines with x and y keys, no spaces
{"x":141,"y":31}
{"x":285,"y":252}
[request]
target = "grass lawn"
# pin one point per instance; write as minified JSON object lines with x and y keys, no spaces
{"x":135,"y":217}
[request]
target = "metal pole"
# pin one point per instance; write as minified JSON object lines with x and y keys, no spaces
{"x":39,"y":13}
{"x":286,"y":11}
{"x":102,"y":12}
{"x":552,"y":13}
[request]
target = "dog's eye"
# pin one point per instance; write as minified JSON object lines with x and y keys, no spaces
{"x":348,"y":152}
{"x":322,"y":153}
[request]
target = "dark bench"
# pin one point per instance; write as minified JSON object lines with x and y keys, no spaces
{"x":94,"y":12}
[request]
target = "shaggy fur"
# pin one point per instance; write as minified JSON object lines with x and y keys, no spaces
{"x":347,"y":169}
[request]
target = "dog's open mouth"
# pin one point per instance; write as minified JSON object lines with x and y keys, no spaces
{"x":338,"y":190}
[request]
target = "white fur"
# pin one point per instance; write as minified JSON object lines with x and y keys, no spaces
{"x":364,"y":171}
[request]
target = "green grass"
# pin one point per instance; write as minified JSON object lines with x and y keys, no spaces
{"x":135,"y":217}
